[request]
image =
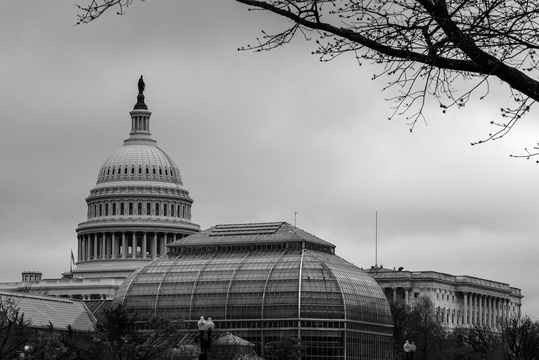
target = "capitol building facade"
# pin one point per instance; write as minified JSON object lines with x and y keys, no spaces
{"x":140,"y":248}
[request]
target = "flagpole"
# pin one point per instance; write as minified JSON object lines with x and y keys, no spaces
{"x":71,"y":261}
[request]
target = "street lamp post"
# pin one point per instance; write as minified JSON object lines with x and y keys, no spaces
{"x":205,"y":328}
{"x":407,"y":348}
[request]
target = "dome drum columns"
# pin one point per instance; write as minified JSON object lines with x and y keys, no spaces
{"x":130,"y":245}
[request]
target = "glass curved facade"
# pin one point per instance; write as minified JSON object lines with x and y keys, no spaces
{"x":277,"y":282}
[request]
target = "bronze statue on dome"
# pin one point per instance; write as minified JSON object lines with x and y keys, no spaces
{"x":141,"y":85}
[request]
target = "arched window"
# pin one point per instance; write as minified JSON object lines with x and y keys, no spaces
{"x":172,"y":210}
{"x":125,"y":171}
{"x":100,"y":210}
{"x":130,"y":208}
{"x":122,"y":209}
{"x":165,"y":209}
{"x":147,"y":170}
{"x":178,"y":212}
{"x":106,"y":209}
{"x":148,"y":209}
{"x":113,"y":209}
{"x":133,"y":170}
{"x":157,"y":209}
{"x":153,"y":170}
{"x":160,"y":171}
{"x":139,"y":209}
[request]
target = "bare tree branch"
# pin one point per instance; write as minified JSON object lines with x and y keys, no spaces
{"x":428,"y":48}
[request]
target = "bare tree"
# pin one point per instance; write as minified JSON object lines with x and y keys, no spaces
{"x":13,"y":329}
{"x":445,"y":49}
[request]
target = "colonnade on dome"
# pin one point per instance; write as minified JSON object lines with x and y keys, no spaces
{"x":115,"y":245}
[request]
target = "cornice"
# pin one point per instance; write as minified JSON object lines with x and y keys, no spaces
{"x":137,"y":223}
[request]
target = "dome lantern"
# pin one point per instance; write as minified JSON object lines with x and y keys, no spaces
{"x":140,"y":119}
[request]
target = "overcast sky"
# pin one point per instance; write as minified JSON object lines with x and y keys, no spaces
{"x":256,"y":136}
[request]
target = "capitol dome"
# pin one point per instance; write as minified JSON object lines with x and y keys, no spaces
{"x":138,"y":205}
{"x":265,"y":281}
{"x":139,"y":162}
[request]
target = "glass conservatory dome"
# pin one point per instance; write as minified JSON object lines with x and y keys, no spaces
{"x":264,"y":281}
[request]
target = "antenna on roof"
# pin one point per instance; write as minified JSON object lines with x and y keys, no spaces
{"x":376,"y":242}
{"x":295,"y":213}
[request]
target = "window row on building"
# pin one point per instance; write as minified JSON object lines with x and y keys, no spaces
{"x":257,"y":246}
{"x":137,"y":190}
{"x":148,"y":172}
{"x":101,"y":209}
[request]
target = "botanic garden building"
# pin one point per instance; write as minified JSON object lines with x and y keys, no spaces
{"x":265,"y":281}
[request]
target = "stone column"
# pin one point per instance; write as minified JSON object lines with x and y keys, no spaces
{"x":144,"y":245}
{"x":95,"y":246}
{"x":482,"y":305}
{"x":487,"y":311}
{"x":79,"y":243}
{"x":88,"y":246}
{"x":163,"y":242}
{"x":103,"y":245}
{"x":504,"y":310}
{"x":394,"y":293}
{"x":154,"y":246}
{"x":491,"y":313}
{"x":497,"y":313}
{"x":473,"y":309}
{"x":124,"y":246}
{"x":113,"y":246}
{"x":465,"y":316}
{"x":81,"y":250}
{"x":406,"y":295}
{"x":134,"y":246}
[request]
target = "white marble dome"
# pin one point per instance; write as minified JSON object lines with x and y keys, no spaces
{"x":137,"y":207}
{"x":144,"y":162}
